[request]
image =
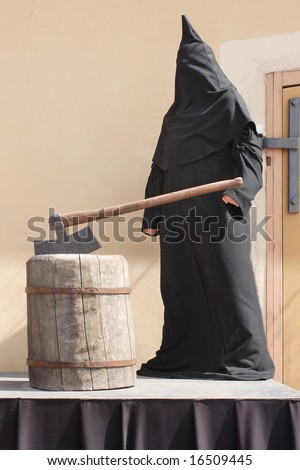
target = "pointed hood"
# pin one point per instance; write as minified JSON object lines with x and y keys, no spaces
{"x":207,"y":112}
{"x":188,"y":32}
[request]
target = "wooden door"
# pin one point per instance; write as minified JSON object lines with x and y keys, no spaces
{"x":291,"y":266}
{"x":282,"y":301}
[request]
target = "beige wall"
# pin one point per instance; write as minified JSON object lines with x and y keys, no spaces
{"x":83,"y":89}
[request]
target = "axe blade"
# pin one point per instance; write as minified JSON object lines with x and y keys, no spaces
{"x":81,"y":242}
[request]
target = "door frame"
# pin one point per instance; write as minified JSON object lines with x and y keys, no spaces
{"x":275,"y":83}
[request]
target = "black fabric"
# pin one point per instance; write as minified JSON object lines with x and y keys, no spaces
{"x":49,"y":424}
{"x":9,"y":424}
{"x":149,"y":424}
{"x":212,"y":318}
{"x":207,"y":112}
{"x":212,"y":321}
{"x":246,"y":161}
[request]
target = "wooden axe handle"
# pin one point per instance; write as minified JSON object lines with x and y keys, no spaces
{"x":76,"y":218}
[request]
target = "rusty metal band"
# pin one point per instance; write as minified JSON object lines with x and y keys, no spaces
{"x":78,"y":290}
{"x":80,"y":364}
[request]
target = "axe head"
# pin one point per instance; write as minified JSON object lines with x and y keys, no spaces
{"x":81,"y":242}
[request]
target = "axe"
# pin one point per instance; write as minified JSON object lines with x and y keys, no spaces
{"x":84,"y":241}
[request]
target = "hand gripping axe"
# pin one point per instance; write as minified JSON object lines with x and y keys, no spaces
{"x":84,"y":241}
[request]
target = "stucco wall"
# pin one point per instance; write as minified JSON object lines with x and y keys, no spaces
{"x":84,"y":86}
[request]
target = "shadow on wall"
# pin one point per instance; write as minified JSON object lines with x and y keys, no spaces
{"x":13,"y":352}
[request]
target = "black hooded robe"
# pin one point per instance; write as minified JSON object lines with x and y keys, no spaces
{"x":213,"y":324}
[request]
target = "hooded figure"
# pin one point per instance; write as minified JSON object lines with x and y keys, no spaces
{"x":207,"y":111}
{"x":213,"y":324}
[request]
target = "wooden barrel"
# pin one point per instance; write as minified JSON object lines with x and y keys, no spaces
{"x":80,"y":331}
